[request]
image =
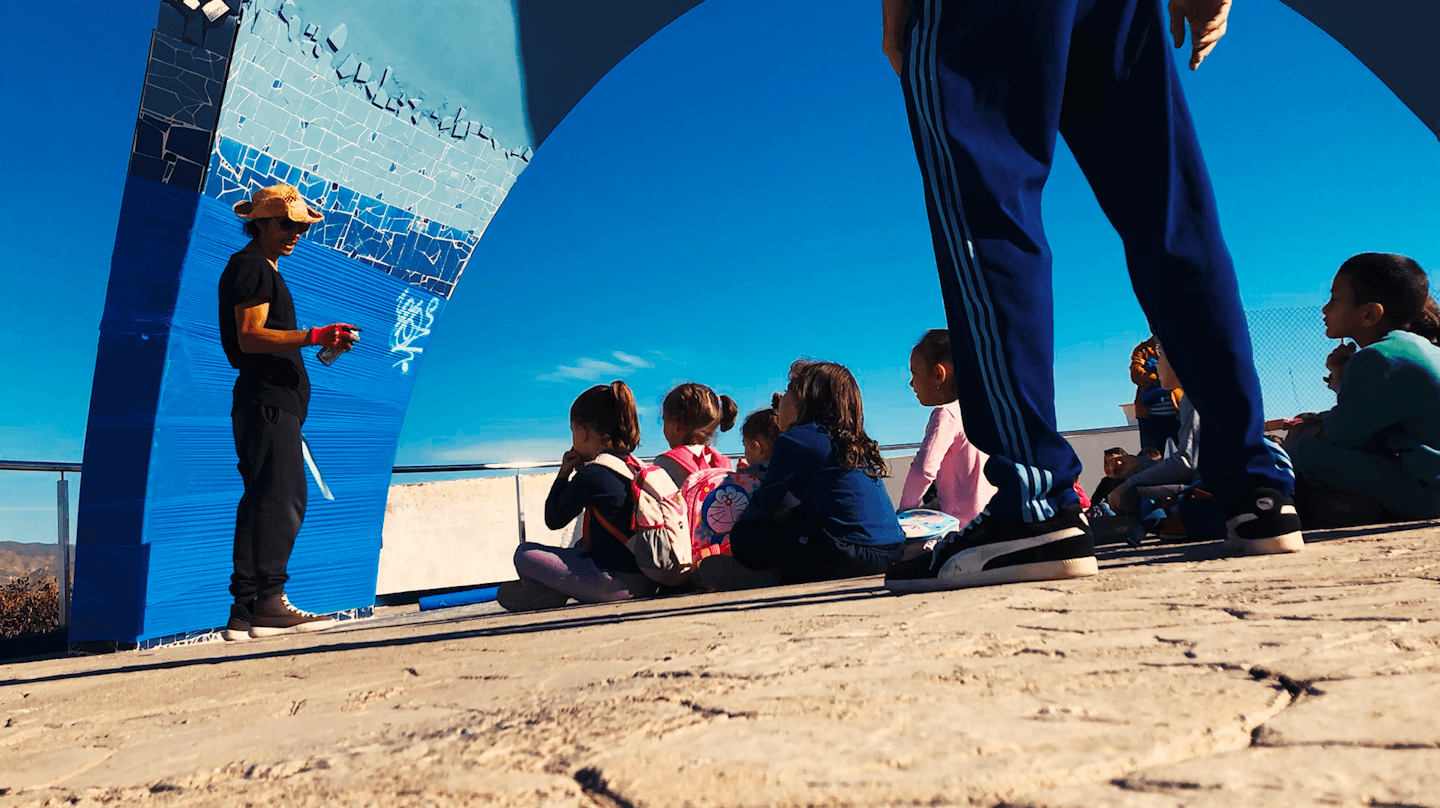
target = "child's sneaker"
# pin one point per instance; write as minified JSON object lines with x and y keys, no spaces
{"x":1000,"y":551}
{"x":724,"y":573}
{"x":528,"y":596}
{"x":275,"y":616}
{"x":238,"y":629}
{"x":1262,"y":523}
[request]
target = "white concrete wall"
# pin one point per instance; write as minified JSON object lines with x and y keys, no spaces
{"x":453,"y":533}
{"x":440,"y":535}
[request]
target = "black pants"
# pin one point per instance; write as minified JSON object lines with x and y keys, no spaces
{"x":778,"y":545}
{"x":267,"y":440}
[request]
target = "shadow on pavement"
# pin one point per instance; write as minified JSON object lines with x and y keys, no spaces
{"x":554,"y":620}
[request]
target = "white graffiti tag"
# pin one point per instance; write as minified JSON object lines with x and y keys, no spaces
{"x":413,"y":319}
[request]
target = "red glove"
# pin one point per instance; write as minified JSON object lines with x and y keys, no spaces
{"x":336,"y":336}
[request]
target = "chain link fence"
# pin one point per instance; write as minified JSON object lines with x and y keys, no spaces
{"x":1290,"y":350}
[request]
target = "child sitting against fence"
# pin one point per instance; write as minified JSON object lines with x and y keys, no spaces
{"x":1381,"y":441}
{"x":845,"y":525}
{"x":691,"y":414}
{"x":947,"y":459}
{"x":603,"y":421}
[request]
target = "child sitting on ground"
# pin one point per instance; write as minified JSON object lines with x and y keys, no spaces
{"x":727,"y":500}
{"x":1119,"y":465}
{"x":845,"y":525}
{"x":758,"y":435}
{"x":691,"y":414}
{"x":1381,"y":441}
{"x":946,"y":457}
{"x":602,"y":568}
{"x":1181,"y":461}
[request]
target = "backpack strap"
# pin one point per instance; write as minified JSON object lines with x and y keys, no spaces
{"x":615,"y":464}
{"x":630,"y":470}
{"x":605,"y":523}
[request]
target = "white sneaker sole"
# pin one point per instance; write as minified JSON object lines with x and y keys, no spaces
{"x":1288,"y":543}
{"x":231,"y":635}
{"x":258,"y":632}
{"x":1020,"y":573}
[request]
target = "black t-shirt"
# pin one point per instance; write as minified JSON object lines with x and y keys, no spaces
{"x":278,"y":380}
{"x":605,"y":492}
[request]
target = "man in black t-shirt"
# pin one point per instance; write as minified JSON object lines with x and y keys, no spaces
{"x":263,"y":342}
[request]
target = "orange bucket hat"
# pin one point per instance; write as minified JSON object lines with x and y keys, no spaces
{"x":275,"y":202}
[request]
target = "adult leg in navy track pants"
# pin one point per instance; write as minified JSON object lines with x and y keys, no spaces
{"x":989,"y":86}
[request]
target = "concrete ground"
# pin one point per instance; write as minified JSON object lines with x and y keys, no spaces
{"x":1177,"y":677}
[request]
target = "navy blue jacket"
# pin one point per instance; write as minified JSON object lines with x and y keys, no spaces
{"x":846,"y":505}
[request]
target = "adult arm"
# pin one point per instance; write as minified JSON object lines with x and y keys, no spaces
{"x":940,"y":433}
{"x":893,"y":16}
{"x":1208,"y":19}
{"x":255,"y":338}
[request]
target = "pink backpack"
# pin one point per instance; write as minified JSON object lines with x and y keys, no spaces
{"x":661,"y":540}
{"x":704,"y":474}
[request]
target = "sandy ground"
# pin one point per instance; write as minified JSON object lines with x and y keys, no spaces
{"x":1177,"y":677}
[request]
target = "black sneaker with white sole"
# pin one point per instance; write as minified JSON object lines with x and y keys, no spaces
{"x":238,"y":627}
{"x":1262,"y":523}
{"x":993,"y":551}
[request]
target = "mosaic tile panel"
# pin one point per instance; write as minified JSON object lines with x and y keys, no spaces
{"x":209,"y":24}
{"x":179,"y":108}
{"x":412,"y":185}
{"x":421,"y":252}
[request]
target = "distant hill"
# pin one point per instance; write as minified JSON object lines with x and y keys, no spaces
{"x":22,"y":558}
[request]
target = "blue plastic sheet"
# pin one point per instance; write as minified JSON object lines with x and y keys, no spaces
{"x":465,"y":598}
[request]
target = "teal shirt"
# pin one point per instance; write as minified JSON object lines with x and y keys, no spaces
{"x":1389,"y":402}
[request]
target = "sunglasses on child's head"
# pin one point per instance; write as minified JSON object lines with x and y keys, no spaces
{"x":289,"y":226}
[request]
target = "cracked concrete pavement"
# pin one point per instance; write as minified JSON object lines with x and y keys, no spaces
{"x":1176,"y":677}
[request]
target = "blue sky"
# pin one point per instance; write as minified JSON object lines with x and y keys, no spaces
{"x":741,"y":191}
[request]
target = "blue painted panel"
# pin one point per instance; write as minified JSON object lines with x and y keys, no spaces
{"x":170,"y":457}
{"x":110,"y":564}
{"x":356,"y":410}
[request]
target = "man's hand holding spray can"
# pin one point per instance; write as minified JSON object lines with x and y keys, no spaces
{"x":334,"y":339}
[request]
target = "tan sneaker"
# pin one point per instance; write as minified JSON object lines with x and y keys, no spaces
{"x":238,"y":629}
{"x":274,"y":616}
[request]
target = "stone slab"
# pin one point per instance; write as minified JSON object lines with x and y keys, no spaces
{"x":1176,"y":677}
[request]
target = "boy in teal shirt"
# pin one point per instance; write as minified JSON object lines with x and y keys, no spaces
{"x":1382,"y":438}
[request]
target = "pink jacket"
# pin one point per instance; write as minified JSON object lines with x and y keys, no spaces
{"x":949,"y":460}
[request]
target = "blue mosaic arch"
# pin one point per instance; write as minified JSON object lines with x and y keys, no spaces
{"x":408,"y":124}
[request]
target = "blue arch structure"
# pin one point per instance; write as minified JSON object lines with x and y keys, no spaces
{"x":408,"y":124}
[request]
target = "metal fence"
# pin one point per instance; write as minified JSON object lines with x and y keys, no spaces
{"x":62,"y":523}
{"x":1290,"y":350}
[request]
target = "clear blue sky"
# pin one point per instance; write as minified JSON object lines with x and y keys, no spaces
{"x":739,"y":192}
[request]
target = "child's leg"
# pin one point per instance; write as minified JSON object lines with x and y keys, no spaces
{"x":1376,"y":476}
{"x":569,"y":571}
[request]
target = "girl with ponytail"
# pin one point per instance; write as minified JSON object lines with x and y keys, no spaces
{"x":845,"y":525}
{"x":601,"y":569}
{"x":691,"y":414}
{"x":1381,"y":441}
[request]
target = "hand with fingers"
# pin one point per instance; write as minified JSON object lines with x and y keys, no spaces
{"x":336,"y":336}
{"x":1207,"y":18}
{"x":893,"y":15}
